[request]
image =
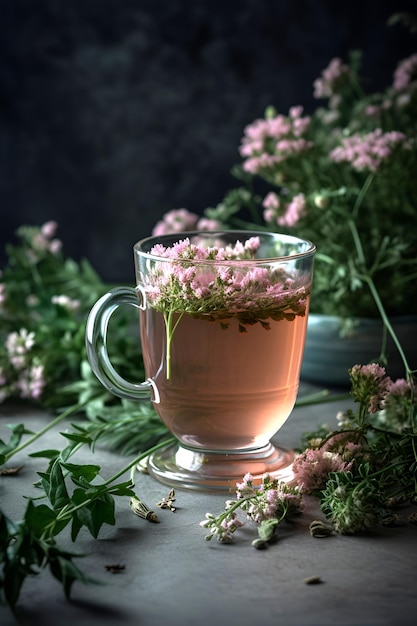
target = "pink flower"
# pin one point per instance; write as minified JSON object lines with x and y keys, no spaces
{"x":399,"y":387}
{"x":294,"y":211}
{"x":405,"y":73}
{"x":325,"y":85}
{"x":271,"y":201}
{"x":48,"y":230}
{"x":31,"y":382}
{"x":175,"y":221}
{"x":369,"y":151}
{"x":313,"y":467}
{"x":370,"y":385}
{"x":55,"y":246}
{"x":271,"y":141}
{"x":206,"y":224}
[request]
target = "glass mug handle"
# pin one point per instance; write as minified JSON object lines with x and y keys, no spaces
{"x":96,"y":345}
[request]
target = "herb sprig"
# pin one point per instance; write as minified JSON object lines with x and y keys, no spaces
{"x":77,"y":495}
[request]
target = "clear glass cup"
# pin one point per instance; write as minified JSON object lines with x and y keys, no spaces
{"x":223,"y":320}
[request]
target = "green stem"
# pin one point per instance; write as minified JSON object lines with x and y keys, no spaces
{"x":139,"y":458}
{"x":45,"y":429}
{"x":386,"y":321}
{"x":368,"y":182}
{"x":368,"y":279}
{"x":321,"y":397}
{"x":169,"y":332}
{"x":67,"y":512}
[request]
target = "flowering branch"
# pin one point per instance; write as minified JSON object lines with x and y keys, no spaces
{"x":268,"y":506}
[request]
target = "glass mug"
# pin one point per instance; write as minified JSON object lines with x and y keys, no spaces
{"x":223,"y":321}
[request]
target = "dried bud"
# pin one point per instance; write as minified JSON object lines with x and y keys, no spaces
{"x":140,"y":509}
{"x":321,"y":528}
{"x":321,"y":202}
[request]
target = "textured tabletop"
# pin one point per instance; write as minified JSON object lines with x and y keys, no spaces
{"x":173,"y":576}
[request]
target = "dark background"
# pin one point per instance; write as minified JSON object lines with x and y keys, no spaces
{"x":113,"y":112}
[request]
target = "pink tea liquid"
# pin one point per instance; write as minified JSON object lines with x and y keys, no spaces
{"x":227,"y":390}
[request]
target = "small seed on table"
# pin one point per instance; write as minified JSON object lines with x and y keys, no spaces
{"x":313,"y":580}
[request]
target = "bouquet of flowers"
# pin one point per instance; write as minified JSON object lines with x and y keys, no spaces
{"x":343,"y":177}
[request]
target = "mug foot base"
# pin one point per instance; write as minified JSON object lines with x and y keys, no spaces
{"x":191,"y":469}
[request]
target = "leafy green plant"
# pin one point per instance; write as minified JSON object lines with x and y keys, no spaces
{"x":352,"y":160}
{"x":76,"y":495}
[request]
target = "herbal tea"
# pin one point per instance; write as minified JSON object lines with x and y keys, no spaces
{"x":228,"y":389}
{"x":223,"y":320}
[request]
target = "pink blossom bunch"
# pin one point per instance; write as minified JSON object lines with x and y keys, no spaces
{"x":338,"y":453}
{"x":31,"y":381}
{"x":44,"y":241}
{"x":370,"y":385}
{"x":2,"y":292}
{"x":396,"y":405}
{"x":273,"y":501}
{"x":313,"y":467}
{"x":399,"y":388}
{"x":27,"y":374}
{"x":204,"y":280}
{"x":326,"y":85}
{"x":182,"y":220}
{"x":405,"y":76}
{"x":369,"y":151}
{"x":185,"y":249}
{"x":18,"y":344}
{"x":269,"y":500}
{"x":283,"y":214}
{"x":222,"y":528}
{"x":268,"y":142}
{"x":340,"y":177}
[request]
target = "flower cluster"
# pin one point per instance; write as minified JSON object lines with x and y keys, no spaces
{"x":24,"y":376}
{"x":346,"y":168}
{"x":370,"y":385}
{"x":44,"y":298}
{"x":313,"y":467}
{"x":358,"y":470}
{"x":182,"y":220}
{"x":205,"y":282}
{"x":273,"y":501}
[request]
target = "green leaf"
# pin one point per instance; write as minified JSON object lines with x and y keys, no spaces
{"x":76,"y":525}
{"x":38,"y":518}
{"x":96,"y":512}
{"x":123,"y":489}
{"x":88,"y":472}
{"x":102,"y":512}
{"x":11,"y":585}
{"x":267,"y":528}
{"x":58,"y":494}
{"x":18,"y":430}
{"x":76,"y":438}
{"x":45,"y":454}
{"x":7,"y":531}
{"x":65,"y":571}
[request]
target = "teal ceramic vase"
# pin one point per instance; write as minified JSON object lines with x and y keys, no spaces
{"x":329,"y":353}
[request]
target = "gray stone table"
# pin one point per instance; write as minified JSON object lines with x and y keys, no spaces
{"x":173,"y":576}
